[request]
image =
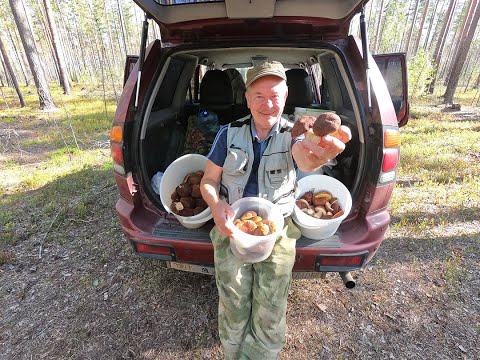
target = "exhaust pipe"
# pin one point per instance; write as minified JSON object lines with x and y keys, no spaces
{"x":347,"y":279}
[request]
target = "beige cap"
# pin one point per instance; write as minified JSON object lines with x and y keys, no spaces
{"x":264,"y":69}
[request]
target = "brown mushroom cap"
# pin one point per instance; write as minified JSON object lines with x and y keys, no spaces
{"x":302,"y":125}
{"x":196,"y":193}
{"x":194,"y":179}
{"x":188,"y":202}
{"x":326,"y":123}
{"x":184,"y":189}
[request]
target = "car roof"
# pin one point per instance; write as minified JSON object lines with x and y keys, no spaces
{"x":209,"y":19}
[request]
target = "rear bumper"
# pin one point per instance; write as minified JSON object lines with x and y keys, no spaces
{"x":359,"y":238}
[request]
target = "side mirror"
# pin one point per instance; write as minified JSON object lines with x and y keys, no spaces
{"x":393,"y":68}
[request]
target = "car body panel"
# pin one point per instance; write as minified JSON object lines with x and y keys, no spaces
{"x":183,"y":23}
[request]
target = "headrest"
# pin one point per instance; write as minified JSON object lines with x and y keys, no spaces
{"x":299,"y":88}
{"x":216,"y":89}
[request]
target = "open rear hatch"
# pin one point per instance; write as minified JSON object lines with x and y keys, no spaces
{"x":197,"y":20}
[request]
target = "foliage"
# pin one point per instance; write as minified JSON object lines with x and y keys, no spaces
{"x":420,"y":71}
{"x":396,"y":13}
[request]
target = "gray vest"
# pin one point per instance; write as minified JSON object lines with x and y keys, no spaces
{"x":276,"y":171}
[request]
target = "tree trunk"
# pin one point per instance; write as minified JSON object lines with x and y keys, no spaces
{"x":441,"y":42}
{"x":66,"y":38}
{"x":420,"y":31}
{"x":475,"y":66}
{"x":477,"y":83}
{"x":49,"y":45}
{"x":430,"y":26}
{"x":122,"y":26}
{"x":377,"y":31}
{"x":7,"y":75}
{"x":459,"y":34}
{"x":57,"y":47}
{"x":12,"y":74}
{"x":19,"y":59}
{"x":44,"y":96}
{"x":465,"y":44}
{"x":402,"y":45}
{"x":109,"y":37}
{"x":409,"y":38}
{"x":23,"y":56}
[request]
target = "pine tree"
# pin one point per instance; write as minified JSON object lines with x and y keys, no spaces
{"x":44,"y":96}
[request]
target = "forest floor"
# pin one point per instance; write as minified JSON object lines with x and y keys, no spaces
{"x":71,"y":287}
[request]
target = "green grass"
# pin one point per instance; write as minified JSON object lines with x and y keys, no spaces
{"x":462,"y":97}
{"x":439,"y":174}
{"x":83,"y":114}
{"x":62,"y":165}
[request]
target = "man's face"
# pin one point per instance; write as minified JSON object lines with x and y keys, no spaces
{"x":266,"y":100}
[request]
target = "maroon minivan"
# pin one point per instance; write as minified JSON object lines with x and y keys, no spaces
{"x":200,"y":63}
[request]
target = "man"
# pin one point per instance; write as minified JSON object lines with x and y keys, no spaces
{"x":254,"y":156}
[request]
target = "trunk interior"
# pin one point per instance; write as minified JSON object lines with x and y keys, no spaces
{"x":213,"y":80}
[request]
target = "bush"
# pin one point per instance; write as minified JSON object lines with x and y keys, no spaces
{"x":420,"y":72}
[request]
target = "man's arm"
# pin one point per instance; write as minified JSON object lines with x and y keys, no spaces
{"x":309,"y":156}
{"x":209,"y":186}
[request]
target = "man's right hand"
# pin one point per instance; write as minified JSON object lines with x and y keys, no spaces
{"x":221,"y":211}
{"x":223,"y":216}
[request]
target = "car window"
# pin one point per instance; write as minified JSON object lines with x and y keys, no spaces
{"x":347,"y":103}
{"x":169,"y":84}
{"x":391,"y":70}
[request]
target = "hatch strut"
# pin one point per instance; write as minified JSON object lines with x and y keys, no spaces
{"x":363,"y":33}
{"x":141,"y":59}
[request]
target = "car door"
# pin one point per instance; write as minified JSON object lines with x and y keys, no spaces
{"x":394,"y":70}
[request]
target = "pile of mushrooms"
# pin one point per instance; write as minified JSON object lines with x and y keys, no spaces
{"x":253,"y":224}
{"x":187,"y":199}
{"x":320,"y":205}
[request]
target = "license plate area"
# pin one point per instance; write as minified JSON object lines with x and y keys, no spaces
{"x":201,"y":269}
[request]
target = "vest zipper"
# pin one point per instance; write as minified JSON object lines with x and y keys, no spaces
{"x":283,"y":196}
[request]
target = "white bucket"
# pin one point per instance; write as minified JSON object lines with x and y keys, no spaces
{"x":299,"y":112}
{"x":314,"y":228}
{"x":172,"y":177}
{"x":251,"y":248}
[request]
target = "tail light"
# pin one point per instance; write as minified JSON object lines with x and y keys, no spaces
{"x":340,"y":262}
{"x":116,"y":146}
{"x":155,"y":251}
{"x":391,"y":154}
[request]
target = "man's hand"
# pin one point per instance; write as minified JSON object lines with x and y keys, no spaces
{"x":223,"y":216}
{"x":310,"y":156}
{"x":221,"y":211}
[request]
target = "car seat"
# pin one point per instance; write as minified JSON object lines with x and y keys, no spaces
{"x":240,"y":108}
{"x":216,"y":95}
{"x":238,"y":85}
{"x":299,"y":90}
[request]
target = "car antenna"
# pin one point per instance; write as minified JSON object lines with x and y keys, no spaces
{"x":363,"y":33}
{"x":141,"y":59}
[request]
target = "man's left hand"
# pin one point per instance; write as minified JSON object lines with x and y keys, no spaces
{"x":310,"y":156}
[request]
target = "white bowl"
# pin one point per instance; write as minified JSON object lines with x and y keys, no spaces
{"x":314,"y":228}
{"x":251,"y":248}
{"x":172,"y":177}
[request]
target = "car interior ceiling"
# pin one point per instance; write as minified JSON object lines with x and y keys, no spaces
{"x":165,"y":131}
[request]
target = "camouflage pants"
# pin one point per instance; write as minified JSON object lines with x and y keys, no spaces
{"x":253,"y":297}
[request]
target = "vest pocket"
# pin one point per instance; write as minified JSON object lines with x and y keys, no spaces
{"x":236,"y":162}
{"x":277,"y":170}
